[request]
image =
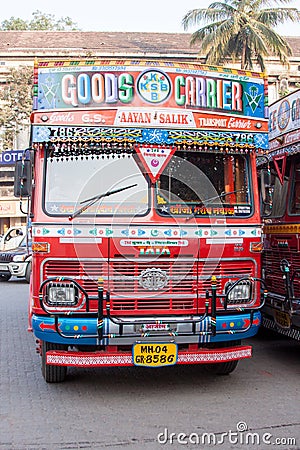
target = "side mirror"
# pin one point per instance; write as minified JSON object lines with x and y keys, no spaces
{"x":23,"y":178}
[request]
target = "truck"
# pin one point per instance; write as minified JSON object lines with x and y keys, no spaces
{"x":144,"y":208}
{"x":280,"y":187}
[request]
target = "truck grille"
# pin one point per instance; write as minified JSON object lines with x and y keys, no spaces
{"x":187,"y":280}
{"x":273,"y":274}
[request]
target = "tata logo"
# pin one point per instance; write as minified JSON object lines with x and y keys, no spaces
{"x":153,"y":279}
{"x":154,"y":251}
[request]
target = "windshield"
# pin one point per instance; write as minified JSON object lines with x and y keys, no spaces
{"x":199,"y":184}
{"x":68,"y":182}
{"x":25,"y":243}
{"x":276,"y":205}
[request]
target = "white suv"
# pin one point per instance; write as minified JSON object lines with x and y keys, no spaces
{"x":16,"y":262}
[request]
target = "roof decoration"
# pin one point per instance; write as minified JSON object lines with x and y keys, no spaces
{"x":102,"y":140}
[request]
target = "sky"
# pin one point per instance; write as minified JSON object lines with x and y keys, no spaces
{"x":121,"y":15}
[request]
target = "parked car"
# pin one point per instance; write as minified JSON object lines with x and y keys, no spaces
{"x":12,"y":238}
{"x":16,"y":262}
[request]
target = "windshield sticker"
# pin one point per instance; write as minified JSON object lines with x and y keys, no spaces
{"x":68,"y":208}
{"x":153,"y":243}
{"x":154,"y":159}
{"x":200,"y":211}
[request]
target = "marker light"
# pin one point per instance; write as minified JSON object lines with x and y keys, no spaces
{"x":40,"y":247}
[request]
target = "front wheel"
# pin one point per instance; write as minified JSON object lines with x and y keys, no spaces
{"x":224,"y":368}
{"x":28,"y":272}
{"x":52,"y":374}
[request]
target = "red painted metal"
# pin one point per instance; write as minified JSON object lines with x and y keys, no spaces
{"x":108,"y":359}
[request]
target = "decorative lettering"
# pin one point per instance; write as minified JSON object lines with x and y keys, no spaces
{"x":98,"y":88}
{"x":208,"y":93}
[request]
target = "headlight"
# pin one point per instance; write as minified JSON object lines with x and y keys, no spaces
{"x":240,"y":293}
{"x":61,"y":294}
{"x":19,"y":258}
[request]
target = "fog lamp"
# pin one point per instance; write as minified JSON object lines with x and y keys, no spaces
{"x":62,"y":294}
{"x":239,"y":293}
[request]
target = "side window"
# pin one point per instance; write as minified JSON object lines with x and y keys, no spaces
{"x":295,"y":191}
{"x":279,"y":198}
{"x":279,"y":192}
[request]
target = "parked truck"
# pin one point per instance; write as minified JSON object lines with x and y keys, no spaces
{"x":144,"y":205}
{"x":281,"y":211}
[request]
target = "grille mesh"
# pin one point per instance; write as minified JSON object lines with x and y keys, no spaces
{"x":273,"y":274}
{"x":187,"y":279}
{"x":6,"y":257}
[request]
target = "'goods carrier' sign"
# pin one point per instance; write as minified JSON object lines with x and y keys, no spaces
{"x":186,"y":86}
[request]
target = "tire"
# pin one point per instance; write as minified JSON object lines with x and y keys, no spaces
{"x":222,"y":368}
{"x":28,"y":272}
{"x":5,"y":277}
{"x":52,"y":374}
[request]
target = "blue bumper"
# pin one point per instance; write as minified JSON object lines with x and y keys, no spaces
{"x":83,"y":331}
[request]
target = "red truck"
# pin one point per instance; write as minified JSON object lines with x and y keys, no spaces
{"x":144,"y":211}
{"x":281,"y":211}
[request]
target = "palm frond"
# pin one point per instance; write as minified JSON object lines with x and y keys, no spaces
{"x":274,"y":17}
{"x":214,"y":33}
{"x":242,"y":29}
{"x":215,"y":12}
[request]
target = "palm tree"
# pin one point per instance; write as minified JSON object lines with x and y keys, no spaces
{"x":241,"y":30}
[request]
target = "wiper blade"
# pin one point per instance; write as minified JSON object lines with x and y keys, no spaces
{"x":90,"y":201}
{"x":106,"y":194}
{"x":223,"y":194}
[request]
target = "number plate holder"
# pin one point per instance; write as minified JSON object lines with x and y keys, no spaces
{"x":154,"y":354}
{"x":283,"y":319}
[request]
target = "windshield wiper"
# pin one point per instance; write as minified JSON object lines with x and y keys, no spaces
{"x":90,"y":201}
{"x":223,"y":194}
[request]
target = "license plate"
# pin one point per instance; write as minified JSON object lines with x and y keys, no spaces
{"x":154,"y":354}
{"x":282,"y":319}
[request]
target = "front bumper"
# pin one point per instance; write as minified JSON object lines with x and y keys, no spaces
{"x":103,"y":359}
{"x":283,"y":320}
{"x":83,"y":331}
{"x":18,"y":269}
{"x":4,"y":269}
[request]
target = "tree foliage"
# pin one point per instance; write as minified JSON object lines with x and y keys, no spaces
{"x":16,"y":103}
{"x":241,"y":30}
{"x":39,"y":22}
{"x":16,"y":94}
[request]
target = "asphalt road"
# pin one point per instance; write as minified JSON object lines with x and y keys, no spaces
{"x":256,"y":407}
